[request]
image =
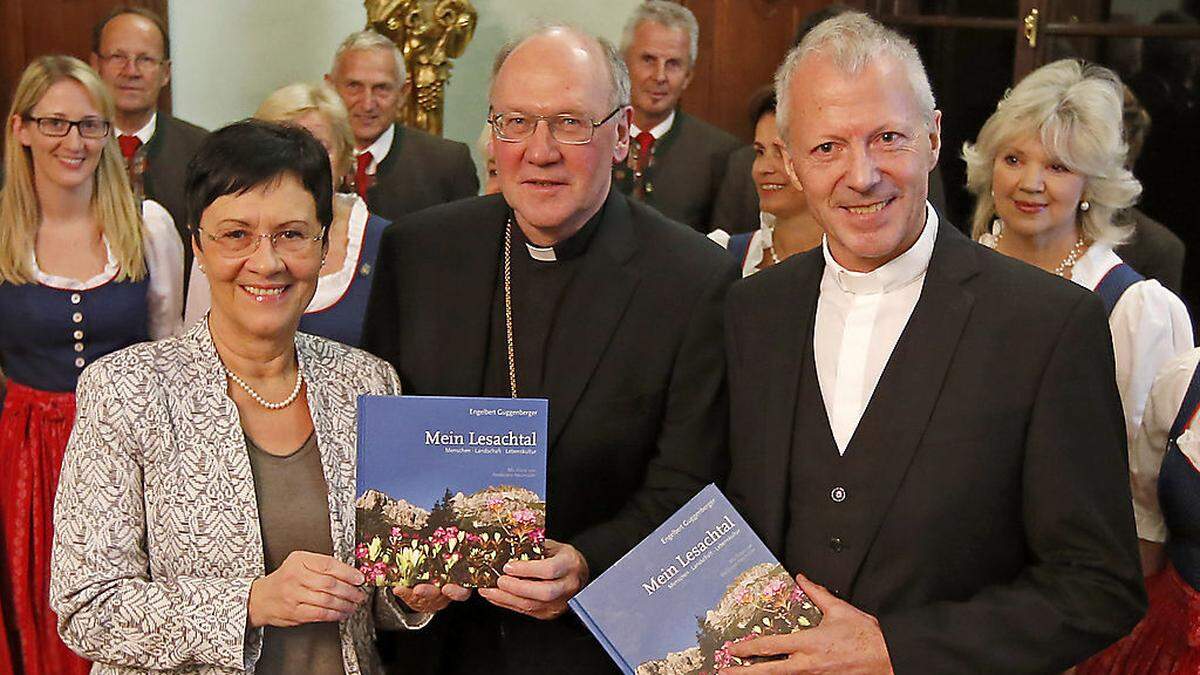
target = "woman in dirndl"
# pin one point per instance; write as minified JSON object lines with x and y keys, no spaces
{"x":84,"y":270}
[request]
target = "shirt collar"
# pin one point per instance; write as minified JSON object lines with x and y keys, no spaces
{"x":145,"y":133}
{"x":896,"y":273}
{"x":659,"y":129}
{"x":571,"y":247}
{"x":379,"y":149}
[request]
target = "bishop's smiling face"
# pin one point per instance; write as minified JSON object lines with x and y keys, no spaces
{"x":862,"y":149}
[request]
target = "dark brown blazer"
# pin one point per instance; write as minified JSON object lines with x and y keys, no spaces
{"x":167,"y":155}
{"x":419,"y":171}
{"x":991,"y":528}
{"x":1154,"y":251}
{"x":688,"y":167}
{"x":636,"y":382}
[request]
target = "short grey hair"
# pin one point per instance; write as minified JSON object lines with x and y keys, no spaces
{"x":1074,"y":110}
{"x":853,"y":41}
{"x":369,"y":39}
{"x":669,"y":14}
{"x":618,"y":72}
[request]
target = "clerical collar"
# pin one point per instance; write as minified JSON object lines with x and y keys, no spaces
{"x":571,"y":247}
{"x":896,"y":273}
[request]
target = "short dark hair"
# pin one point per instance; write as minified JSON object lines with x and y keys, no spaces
{"x":762,"y":103}
{"x":148,"y":14}
{"x":245,"y":155}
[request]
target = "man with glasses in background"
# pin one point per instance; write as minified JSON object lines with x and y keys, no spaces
{"x":131,"y":52}
{"x":560,"y":287}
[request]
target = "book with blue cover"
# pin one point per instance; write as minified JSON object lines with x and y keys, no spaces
{"x":449,"y":488}
{"x":698,"y":584}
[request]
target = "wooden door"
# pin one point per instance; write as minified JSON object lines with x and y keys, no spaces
{"x":742,"y":42}
{"x":36,"y":27}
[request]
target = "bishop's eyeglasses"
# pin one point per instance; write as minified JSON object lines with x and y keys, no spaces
{"x":567,"y":128}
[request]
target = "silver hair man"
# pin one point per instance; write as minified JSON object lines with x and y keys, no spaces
{"x":669,"y":14}
{"x":369,"y":39}
{"x":853,"y":41}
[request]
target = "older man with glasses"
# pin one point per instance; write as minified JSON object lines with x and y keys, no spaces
{"x":131,"y":51}
{"x":563,"y":288}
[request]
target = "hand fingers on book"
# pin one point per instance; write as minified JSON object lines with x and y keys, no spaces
{"x":553,"y":590}
{"x":456,"y":593}
{"x":424,"y":598}
{"x":771,"y":645}
{"x":329,"y":566}
{"x":820,"y":595}
{"x":324,"y":584}
{"x":564,"y":561}
{"x":310,"y":613}
{"x":502,"y":598}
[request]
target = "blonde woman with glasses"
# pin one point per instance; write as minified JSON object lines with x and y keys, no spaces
{"x":84,"y":270}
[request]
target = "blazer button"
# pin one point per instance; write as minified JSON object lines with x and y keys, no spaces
{"x":835,"y":543}
{"x":77,"y":317}
{"x":75,"y":298}
{"x":838,"y":494}
{"x":79,"y":362}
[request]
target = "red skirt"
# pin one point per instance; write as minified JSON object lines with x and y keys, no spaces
{"x":1165,"y":642}
{"x":34,"y":428}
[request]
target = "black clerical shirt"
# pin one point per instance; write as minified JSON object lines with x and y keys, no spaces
{"x":538,"y":288}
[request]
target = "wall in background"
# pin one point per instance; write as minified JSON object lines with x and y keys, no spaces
{"x":229,"y":54}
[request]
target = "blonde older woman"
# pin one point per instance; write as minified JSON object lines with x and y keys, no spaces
{"x":84,"y":270}
{"x":338,"y":306}
{"x":1048,"y":176}
{"x":223,"y":461}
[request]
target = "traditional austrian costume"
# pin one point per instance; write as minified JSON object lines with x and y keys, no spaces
{"x":1165,"y":465}
{"x":49,"y":331}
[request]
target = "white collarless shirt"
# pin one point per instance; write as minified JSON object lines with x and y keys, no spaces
{"x":859,"y":319}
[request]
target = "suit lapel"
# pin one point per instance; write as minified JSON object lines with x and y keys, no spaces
{"x":791,"y":308}
{"x":896,"y":418}
{"x":590,"y":311}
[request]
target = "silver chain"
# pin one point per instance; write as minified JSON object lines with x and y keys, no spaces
{"x":508,"y":322}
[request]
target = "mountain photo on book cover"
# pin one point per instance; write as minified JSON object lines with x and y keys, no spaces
{"x":452,"y":505}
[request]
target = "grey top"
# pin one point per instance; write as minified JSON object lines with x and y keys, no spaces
{"x":293,"y":513}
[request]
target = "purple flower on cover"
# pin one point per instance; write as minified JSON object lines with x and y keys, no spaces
{"x":397,"y":532}
{"x":361,"y":552}
{"x":773,"y":588}
{"x":494,"y":503}
{"x":524,"y":517}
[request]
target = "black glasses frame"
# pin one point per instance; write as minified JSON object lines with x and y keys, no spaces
{"x":44,"y":126}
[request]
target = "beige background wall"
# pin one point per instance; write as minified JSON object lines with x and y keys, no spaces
{"x":229,"y":54}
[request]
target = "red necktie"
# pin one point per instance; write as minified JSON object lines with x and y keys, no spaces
{"x":645,"y":141}
{"x":361,"y":179}
{"x":129,"y":145}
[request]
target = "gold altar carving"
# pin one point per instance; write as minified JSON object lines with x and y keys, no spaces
{"x":429,"y":33}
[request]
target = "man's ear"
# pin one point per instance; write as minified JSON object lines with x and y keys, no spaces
{"x":94,"y":61}
{"x":624,"y":119}
{"x":787,"y":166}
{"x":935,"y":137}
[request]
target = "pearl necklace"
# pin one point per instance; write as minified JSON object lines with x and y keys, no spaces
{"x":993,"y":240}
{"x":262,"y":401}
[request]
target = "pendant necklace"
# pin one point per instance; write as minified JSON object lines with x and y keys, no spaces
{"x":508,"y":322}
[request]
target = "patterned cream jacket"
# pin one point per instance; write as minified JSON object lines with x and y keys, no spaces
{"x":157,"y":536}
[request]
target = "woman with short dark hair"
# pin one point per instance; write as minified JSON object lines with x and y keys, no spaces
{"x":224,"y":460}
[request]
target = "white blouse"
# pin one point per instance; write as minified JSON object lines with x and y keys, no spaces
{"x":164,"y":263}
{"x":1149,"y":325}
{"x":1150,"y":446}
{"x":330,"y":287}
{"x":760,"y":241}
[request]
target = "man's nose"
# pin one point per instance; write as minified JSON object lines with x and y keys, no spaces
{"x":864,"y":171}
{"x":540,"y":147}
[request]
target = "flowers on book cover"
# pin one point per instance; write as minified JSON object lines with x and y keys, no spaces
{"x":763,"y":600}
{"x":463,"y":539}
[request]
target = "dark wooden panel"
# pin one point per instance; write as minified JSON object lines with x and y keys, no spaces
{"x":36,"y":27}
{"x":742,"y":42}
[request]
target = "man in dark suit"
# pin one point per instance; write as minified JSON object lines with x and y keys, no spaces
{"x":398,"y":169}
{"x":131,"y":51}
{"x":928,"y":433}
{"x":676,"y":162}
{"x":561,"y":287}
